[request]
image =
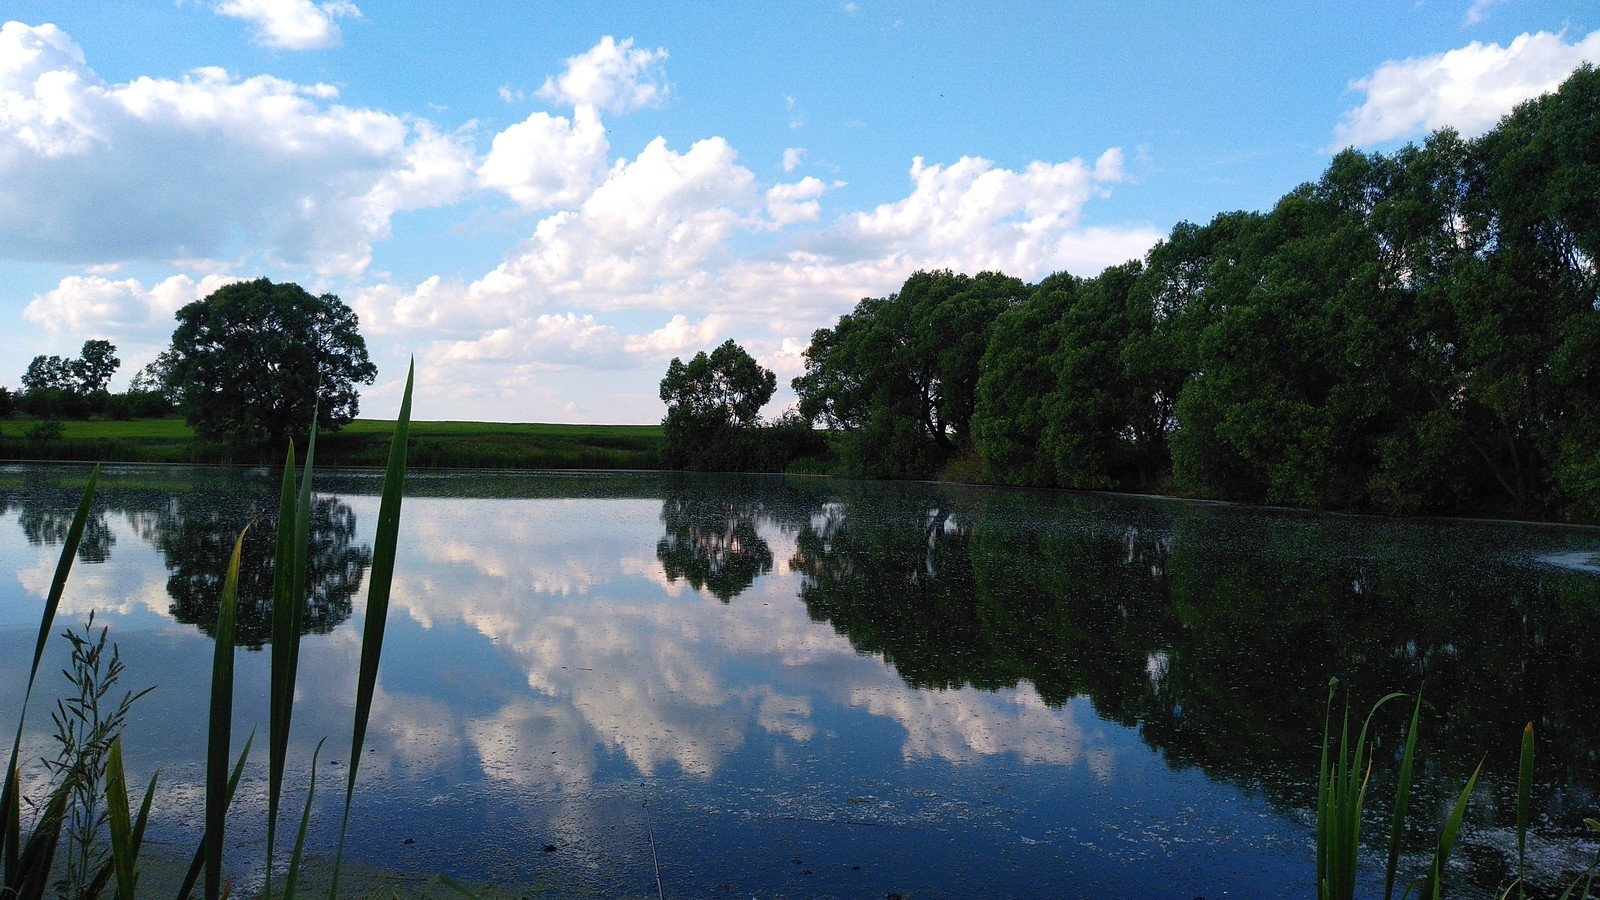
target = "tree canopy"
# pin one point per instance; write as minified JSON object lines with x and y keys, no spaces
{"x":713,"y":405}
{"x":88,"y":374}
{"x":900,"y":373}
{"x":254,"y":361}
{"x":1412,"y":332}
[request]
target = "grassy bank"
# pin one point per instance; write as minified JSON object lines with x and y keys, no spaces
{"x":363,"y":442}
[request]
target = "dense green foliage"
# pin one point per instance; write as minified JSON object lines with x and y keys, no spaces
{"x":1413,"y":332}
{"x":55,"y":387}
{"x":899,"y":375}
{"x":713,"y":420}
{"x":713,"y":401}
{"x":253,"y":363}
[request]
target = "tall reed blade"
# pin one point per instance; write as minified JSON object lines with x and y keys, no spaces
{"x":1524,"y":798}
{"x":292,"y":880}
{"x":29,"y":878}
{"x":1325,"y":795}
{"x":140,"y":820}
{"x":1402,"y":799}
{"x":221,"y":726}
{"x":382,"y":572}
{"x":10,"y":795}
{"x":119,"y":821}
{"x":288,"y":615}
{"x":192,"y":877}
{"x":282,"y":689}
{"x":1433,"y":885}
{"x":1341,"y":794}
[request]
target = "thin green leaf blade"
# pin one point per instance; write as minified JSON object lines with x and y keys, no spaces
{"x":31,"y":876}
{"x":381,"y":574}
{"x":1402,"y":800}
{"x":1524,"y":797}
{"x":197,"y":864}
{"x":143,"y":817}
{"x":119,"y":821}
{"x":10,"y":795}
{"x":1433,"y":887}
{"x":282,"y":677}
{"x":292,"y":880}
{"x":221,"y":725}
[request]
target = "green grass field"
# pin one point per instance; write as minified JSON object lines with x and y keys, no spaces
{"x":363,"y":442}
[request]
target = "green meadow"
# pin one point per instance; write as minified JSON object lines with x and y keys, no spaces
{"x":363,"y":442}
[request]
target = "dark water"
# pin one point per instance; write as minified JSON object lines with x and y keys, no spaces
{"x":773,"y":687}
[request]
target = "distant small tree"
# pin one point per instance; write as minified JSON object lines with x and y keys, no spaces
{"x":46,"y":373}
{"x":152,"y":392}
{"x":714,"y":406}
{"x":95,"y":365}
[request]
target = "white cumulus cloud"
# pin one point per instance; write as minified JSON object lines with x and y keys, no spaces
{"x":1467,"y":89}
{"x":793,"y":157}
{"x":790,"y":203}
{"x":90,"y":305}
{"x":547,"y":162}
{"x":613,"y":76}
{"x":292,"y":24}
{"x":972,"y":215}
{"x":206,"y":166}
{"x":678,"y":335}
{"x":660,"y":234}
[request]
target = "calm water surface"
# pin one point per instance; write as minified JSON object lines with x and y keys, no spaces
{"x":801,"y":687}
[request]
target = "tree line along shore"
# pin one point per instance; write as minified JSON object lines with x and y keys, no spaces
{"x":1416,"y":332}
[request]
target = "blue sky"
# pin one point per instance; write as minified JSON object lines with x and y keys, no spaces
{"x":545,"y":203}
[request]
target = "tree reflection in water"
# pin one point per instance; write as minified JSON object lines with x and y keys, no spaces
{"x":45,"y":522}
{"x":1214,"y":630}
{"x":712,"y":541}
{"x":197,"y":540}
{"x":193,"y":519}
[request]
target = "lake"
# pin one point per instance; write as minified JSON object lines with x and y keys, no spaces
{"x":807,"y":687}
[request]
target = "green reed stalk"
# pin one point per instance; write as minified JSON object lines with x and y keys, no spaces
{"x":198,"y":863}
{"x":1341,"y":793}
{"x":220,"y":732}
{"x":127,"y":832}
{"x":383,"y":555}
{"x":291,"y":882}
{"x":1433,"y":883}
{"x":1524,"y":803}
{"x":288,"y":611}
{"x":1402,"y":799}
{"x":38,"y":856}
{"x":26,"y":869}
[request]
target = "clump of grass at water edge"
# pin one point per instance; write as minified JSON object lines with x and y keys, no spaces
{"x":1341,"y":796}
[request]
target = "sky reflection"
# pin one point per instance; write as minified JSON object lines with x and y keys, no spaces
{"x":1048,"y":681}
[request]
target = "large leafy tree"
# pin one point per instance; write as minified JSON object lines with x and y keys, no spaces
{"x":1018,"y":381}
{"x":1086,"y":438}
{"x":900,"y":373}
{"x":254,"y":361}
{"x":95,"y":365}
{"x":1531,"y":300}
{"x":714,"y":406}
